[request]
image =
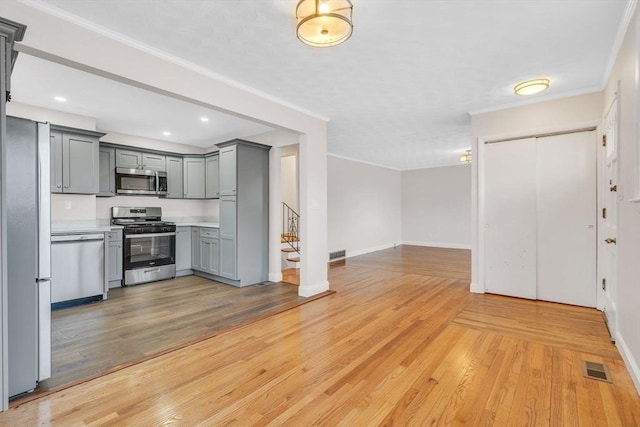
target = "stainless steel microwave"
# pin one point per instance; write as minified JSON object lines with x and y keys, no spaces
{"x":138,"y":181}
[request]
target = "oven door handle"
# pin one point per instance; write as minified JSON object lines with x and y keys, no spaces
{"x":133,"y":236}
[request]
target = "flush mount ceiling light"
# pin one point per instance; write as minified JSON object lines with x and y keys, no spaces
{"x":531,"y":87}
{"x":60,"y":98}
{"x":324,"y":23}
{"x":466,"y":157}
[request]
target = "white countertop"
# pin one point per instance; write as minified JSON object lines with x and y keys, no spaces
{"x":81,"y":227}
{"x":199,"y":224}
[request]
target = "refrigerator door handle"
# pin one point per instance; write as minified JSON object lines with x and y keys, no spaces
{"x":44,"y":196}
{"x":44,"y":329}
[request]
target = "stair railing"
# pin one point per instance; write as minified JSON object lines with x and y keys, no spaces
{"x":290,"y":227}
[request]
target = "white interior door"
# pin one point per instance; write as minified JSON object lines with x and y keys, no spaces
{"x":510,"y":218}
{"x":609,"y":253}
{"x":566,"y":218}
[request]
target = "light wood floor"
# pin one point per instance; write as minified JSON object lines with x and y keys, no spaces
{"x":402,"y":342}
{"x":140,"y":321}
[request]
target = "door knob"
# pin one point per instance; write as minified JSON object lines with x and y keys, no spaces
{"x":610,"y":240}
{"x":613,"y":188}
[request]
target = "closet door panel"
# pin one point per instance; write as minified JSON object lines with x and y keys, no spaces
{"x":510,"y":218}
{"x":566,"y":211}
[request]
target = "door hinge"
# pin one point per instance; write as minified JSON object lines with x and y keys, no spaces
{"x":604,"y":213}
{"x":604,"y":284}
{"x":604,"y":140}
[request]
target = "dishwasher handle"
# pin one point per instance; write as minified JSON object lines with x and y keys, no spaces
{"x":77,"y":238}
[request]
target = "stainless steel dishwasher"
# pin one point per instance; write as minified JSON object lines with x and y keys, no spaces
{"x":77,"y":266}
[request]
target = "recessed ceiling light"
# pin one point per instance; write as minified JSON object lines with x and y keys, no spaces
{"x":204,"y":119}
{"x":531,"y":87}
{"x":60,"y":98}
{"x":165,"y":133}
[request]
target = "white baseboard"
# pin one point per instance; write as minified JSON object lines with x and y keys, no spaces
{"x":307,"y":291}
{"x":275,"y":277}
{"x":476,"y":288}
{"x":438,"y":245}
{"x":629,"y":361}
{"x":359,"y":252}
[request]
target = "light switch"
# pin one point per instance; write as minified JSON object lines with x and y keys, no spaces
{"x":67,"y":204}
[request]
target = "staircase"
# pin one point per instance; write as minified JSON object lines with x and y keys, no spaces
{"x":290,"y":239}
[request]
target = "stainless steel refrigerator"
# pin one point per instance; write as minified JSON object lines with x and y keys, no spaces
{"x":27,"y":200}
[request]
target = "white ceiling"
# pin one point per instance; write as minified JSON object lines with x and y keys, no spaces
{"x":398,"y":92}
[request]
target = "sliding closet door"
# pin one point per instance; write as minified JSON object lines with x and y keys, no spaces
{"x":510,"y":218}
{"x":566,"y":211}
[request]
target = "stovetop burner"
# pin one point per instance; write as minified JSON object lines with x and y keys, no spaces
{"x":141,"y":220}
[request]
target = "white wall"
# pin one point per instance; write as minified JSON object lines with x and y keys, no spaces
{"x":171,"y":208}
{"x":364,"y":206}
{"x":289,"y":180}
{"x":626,"y":70}
{"x":436,"y":206}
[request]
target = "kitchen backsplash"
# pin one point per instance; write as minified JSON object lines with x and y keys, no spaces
{"x":66,"y":207}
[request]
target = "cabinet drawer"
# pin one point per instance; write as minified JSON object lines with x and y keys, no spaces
{"x":115,"y":236}
{"x":210,"y":232}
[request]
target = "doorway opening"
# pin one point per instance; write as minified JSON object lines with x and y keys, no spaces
{"x":290,"y":235}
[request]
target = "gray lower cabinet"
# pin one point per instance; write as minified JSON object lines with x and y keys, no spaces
{"x":195,"y":248}
{"x":212,"y":177}
{"x":244,"y":212}
{"x":183,"y":248}
{"x":115,"y":258}
{"x":209,"y":250}
{"x":175,"y":176}
{"x":75,"y":160}
{"x":107,"y":179}
{"x":194,"y":180}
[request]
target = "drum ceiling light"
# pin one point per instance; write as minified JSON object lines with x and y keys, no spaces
{"x":531,"y":87}
{"x":324,"y":23}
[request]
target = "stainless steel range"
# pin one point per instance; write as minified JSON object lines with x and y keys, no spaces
{"x":149,"y":244}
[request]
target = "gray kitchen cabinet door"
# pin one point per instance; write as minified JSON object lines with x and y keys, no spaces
{"x":193,"y":178}
{"x":209,"y":254}
{"x":183,"y":248}
{"x":228,"y":248}
{"x":56,"y":162}
{"x":228,"y":167}
{"x":80,"y":166}
{"x":154,"y":162}
{"x":107,"y":172}
{"x":174,"y":178}
{"x":128,"y":159}
{"x":115,"y":258}
{"x":212,"y":185}
{"x":195,"y":248}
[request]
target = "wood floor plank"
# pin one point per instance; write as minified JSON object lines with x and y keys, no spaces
{"x":401,"y":343}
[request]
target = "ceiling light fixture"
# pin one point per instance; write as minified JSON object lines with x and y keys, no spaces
{"x":60,"y":98}
{"x":466,"y":157}
{"x":531,"y":87}
{"x":165,"y":133}
{"x":204,"y":119}
{"x":324,"y":23}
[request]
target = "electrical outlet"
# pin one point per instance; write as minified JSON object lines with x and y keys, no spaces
{"x":67,"y":204}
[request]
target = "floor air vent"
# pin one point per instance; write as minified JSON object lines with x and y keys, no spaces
{"x":337,"y":255}
{"x":595,"y":371}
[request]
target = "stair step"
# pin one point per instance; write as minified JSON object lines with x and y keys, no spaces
{"x":294,"y":259}
{"x":288,"y":250}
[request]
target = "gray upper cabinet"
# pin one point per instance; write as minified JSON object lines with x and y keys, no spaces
{"x":244,"y":212}
{"x":107,"y":172}
{"x":175,"y":189}
{"x":212,"y":173}
{"x":131,"y":159}
{"x":75,"y":166}
{"x":194,"y":181}
{"x":228,"y":184}
{"x":153,"y":162}
{"x":128,"y":159}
